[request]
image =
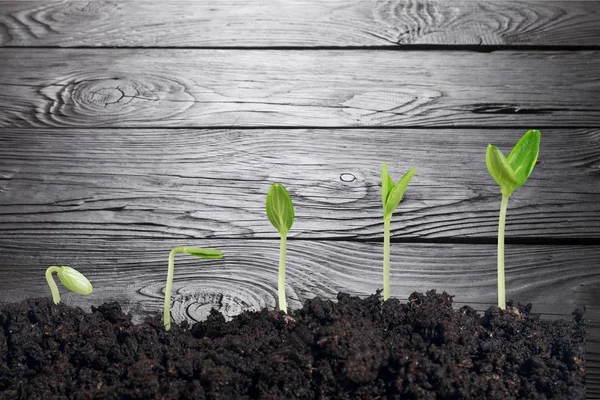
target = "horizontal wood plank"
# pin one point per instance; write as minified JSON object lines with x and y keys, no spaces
{"x":144,"y":183}
{"x":328,"y":88}
{"x":303,"y":23}
{"x":554,"y":278}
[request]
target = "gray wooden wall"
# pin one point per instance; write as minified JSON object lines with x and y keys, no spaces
{"x":131,"y":127}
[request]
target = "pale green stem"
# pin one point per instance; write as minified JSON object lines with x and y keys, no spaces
{"x":169,"y":287}
{"x":386,"y":258}
{"x":501,"y":223}
{"x":281,"y":281}
{"x":52,"y":284}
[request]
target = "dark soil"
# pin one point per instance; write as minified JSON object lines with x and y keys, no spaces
{"x":352,"y":349}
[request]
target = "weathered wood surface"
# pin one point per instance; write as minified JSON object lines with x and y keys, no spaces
{"x":556,"y":279}
{"x":177,"y":88}
{"x":140,"y":183}
{"x":303,"y":23}
{"x":112,"y":202}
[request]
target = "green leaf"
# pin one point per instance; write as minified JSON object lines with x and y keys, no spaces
{"x":524,"y":155}
{"x":74,"y":280}
{"x":203,"y":253}
{"x":500,"y":170}
{"x":397,"y":192}
{"x":386,"y":184}
{"x":280,"y":209}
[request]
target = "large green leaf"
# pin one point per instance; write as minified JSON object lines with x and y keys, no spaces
{"x":203,"y":253}
{"x":524,"y":155}
{"x":397,"y":192}
{"x":280,"y":209}
{"x":386,"y":184}
{"x":500,"y":170}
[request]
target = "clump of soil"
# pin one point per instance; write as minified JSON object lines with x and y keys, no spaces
{"x":352,"y":349}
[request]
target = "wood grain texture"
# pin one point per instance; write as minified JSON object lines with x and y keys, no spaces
{"x":298,"y":23}
{"x":142,"y":183}
{"x":133,"y":272}
{"x":177,"y":88}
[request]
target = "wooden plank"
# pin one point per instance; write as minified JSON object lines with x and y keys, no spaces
{"x":141,"y":183}
{"x":176,"y":88}
{"x":133,"y":272}
{"x":592,"y":361}
{"x":303,"y":23}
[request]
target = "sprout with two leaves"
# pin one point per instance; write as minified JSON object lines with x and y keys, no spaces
{"x":391,"y":196}
{"x":511,"y":173}
{"x":70,"y":278}
{"x":193,"y":251}
{"x":280,"y":211}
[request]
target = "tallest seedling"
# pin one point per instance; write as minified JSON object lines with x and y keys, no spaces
{"x":510,"y":173}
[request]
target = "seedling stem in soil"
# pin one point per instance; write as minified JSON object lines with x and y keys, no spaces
{"x":510,"y":173}
{"x":70,"y":278}
{"x":391,"y":196}
{"x":280,"y":212}
{"x":193,"y":251}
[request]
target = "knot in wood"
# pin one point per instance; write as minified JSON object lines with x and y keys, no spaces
{"x":347,"y":177}
{"x":73,"y":16}
{"x":107,"y":96}
{"x":93,"y":99}
{"x":332,"y":188}
{"x":196,"y":307}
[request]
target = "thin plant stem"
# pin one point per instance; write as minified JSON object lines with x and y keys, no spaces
{"x":52,"y":284}
{"x":386,"y":258}
{"x":501,"y":224}
{"x":169,"y":287}
{"x":281,"y":281}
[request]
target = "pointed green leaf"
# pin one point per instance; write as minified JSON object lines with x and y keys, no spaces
{"x":203,"y":253}
{"x":397,"y":193}
{"x":524,"y":155}
{"x":74,"y":280}
{"x":386,"y":184}
{"x":500,"y":170}
{"x":280,"y":209}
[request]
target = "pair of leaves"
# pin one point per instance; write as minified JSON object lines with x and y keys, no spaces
{"x":203,"y":253}
{"x":74,"y":280}
{"x":391,"y":195}
{"x":512,"y":172}
{"x":280,"y":209}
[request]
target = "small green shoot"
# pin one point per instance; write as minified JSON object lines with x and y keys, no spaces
{"x":391,"y":196}
{"x":193,"y":251}
{"x":280,"y":211}
{"x":510,"y":173}
{"x":70,"y":278}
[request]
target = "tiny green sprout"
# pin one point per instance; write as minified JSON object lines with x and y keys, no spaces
{"x":510,"y":173}
{"x":193,"y":251}
{"x":391,"y":196}
{"x":280,"y":211}
{"x":70,"y":278}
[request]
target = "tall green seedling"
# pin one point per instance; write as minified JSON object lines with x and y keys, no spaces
{"x":280,"y":211}
{"x":193,"y":251}
{"x":72,"y":279}
{"x":510,"y":173}
{"x":391,"y":196}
